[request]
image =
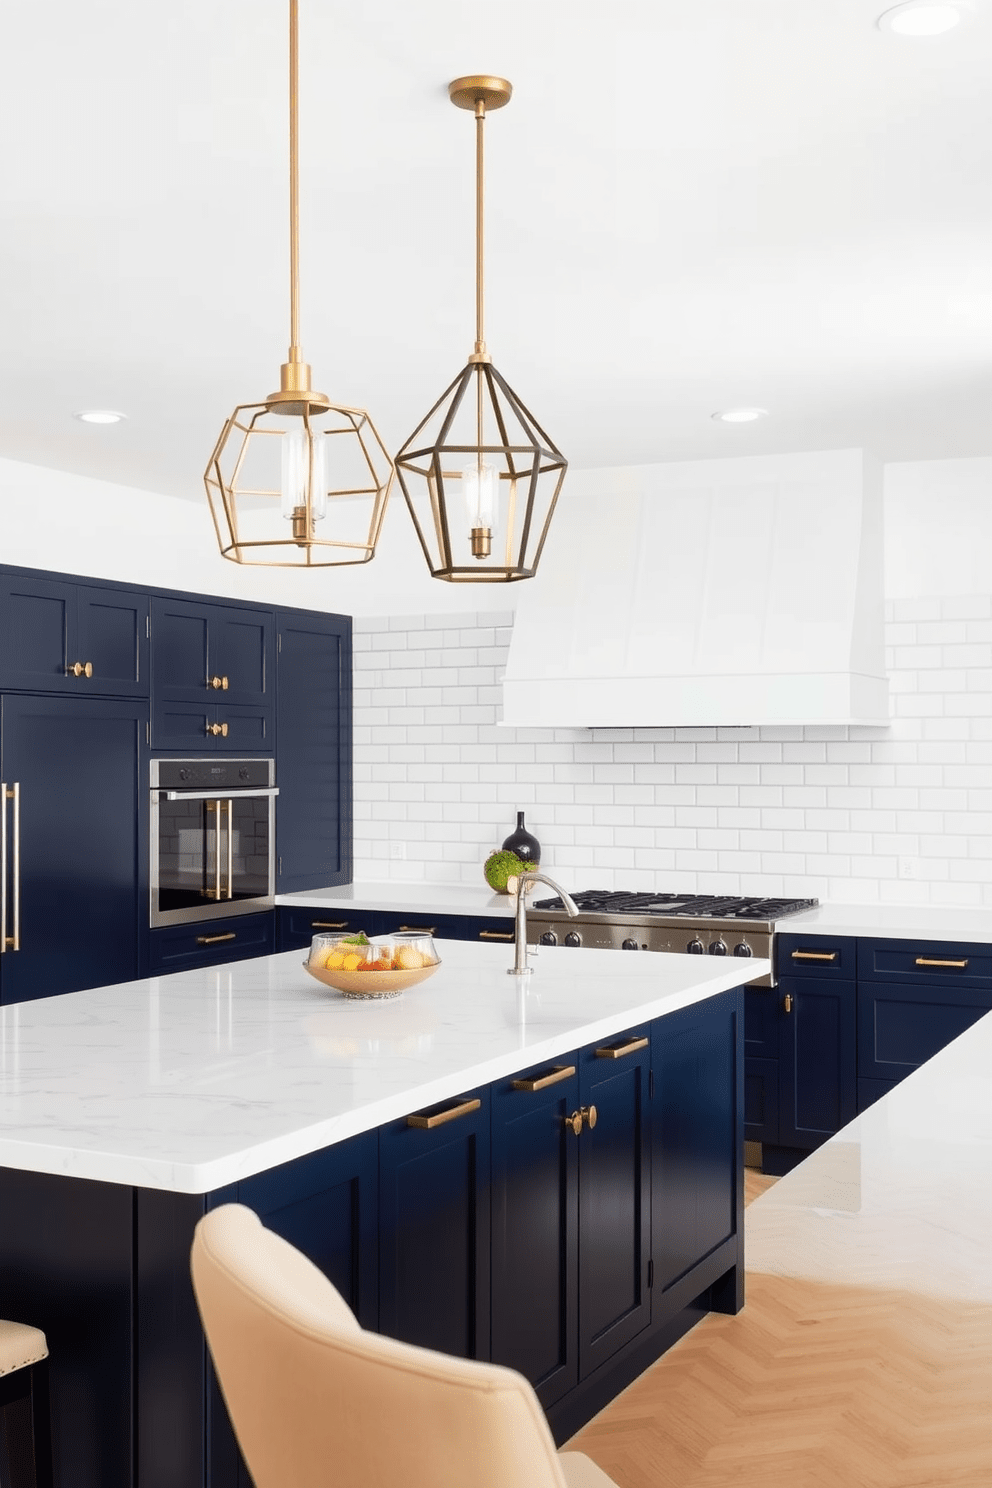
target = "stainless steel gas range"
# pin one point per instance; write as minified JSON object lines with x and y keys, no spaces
{"x":697,"y":924}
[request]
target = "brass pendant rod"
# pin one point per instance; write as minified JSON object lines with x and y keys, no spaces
{"x":480,"y":124}
{"x":294,"y":186}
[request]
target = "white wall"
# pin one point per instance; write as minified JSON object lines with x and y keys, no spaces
{"x":837,"y":813}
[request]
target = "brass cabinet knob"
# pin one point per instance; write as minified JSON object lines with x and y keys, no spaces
{"x":584,"y":1116}
{"x":788,"y":1002}
{"x":80,"y":669}
{"x":218,"y":683}
{"x":575,"y":1122}
{"x":217,"y":729}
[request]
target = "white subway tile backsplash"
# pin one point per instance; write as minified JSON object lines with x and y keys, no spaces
{"x":813,"y":811}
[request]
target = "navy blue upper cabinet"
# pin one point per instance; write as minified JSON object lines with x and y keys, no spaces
{"x":74,"y":638}
{"x":82,"y":802}
{"x":313,"y":713}
{"x":213,"y":672}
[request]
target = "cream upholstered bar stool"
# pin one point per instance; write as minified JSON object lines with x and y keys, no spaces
{"x":25,"y":1424}
{"x":315,"y":1400}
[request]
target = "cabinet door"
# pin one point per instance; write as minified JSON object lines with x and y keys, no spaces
{"x":697,"y":1114}
{"x":614,"y":1198}
{"x":761,"y":1100}
{"x":37,"y":619}
{"x":434,"y":1217}
{"x":535,"y":1226}
{"x":241,"y":651}
{"x":900,"y":1026}
{"x":179,"y":652}
{"x":313,"y":768}
{"x":296,"y":927}
{"x":112,"y":635}
{"x":83,"y":789}
{"x":818,"y":1059}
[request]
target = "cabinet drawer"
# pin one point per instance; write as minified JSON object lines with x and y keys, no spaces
{"x":816,"y":956}
{"x":180,"y":947}
{"x":944,"y":963}
{"x":297,"y":927}
{"x":901,"y":1025}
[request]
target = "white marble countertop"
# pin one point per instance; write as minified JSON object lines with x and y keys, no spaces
{"x":191,"y":1081}
{"x":893,"y":921}
{"x":901,"y":1199}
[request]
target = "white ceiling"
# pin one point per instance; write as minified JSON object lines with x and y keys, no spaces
{"x":692,"y":204}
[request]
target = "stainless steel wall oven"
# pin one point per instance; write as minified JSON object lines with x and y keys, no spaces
{"x":212,"y":839}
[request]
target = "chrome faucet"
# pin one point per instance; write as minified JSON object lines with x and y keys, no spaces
{"x":520,"y":967}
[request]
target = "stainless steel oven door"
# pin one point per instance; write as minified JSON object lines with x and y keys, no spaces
{"x":212,"y":852}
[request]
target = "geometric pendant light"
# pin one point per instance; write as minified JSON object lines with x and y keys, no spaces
{"x":480,"y":476}
{"x":295,"y":480}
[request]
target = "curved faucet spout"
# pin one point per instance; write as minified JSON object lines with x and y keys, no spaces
{"x":520,"y":967}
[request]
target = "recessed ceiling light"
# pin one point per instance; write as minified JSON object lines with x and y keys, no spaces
{"x":100,"y":416}
{"x":923,"y":17}
{"x":740,"y":415}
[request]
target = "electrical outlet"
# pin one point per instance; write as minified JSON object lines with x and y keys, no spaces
{"x":911,"y":868}
{"x":397,"y":851}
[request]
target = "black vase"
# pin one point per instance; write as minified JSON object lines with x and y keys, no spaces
{"x":523,"y":843}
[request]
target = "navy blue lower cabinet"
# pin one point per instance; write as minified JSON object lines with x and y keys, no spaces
{"x":80,"y":768}
{"x":902,"y":1024}
{"x":211,"y":942}
{"x":296,"y":927}
{"x":817,"y":1060}
{"x":614,"y":1196}
{"x":535,"y":1190}
{"x":697,"y":1139}
{"x":869,"y":1091}
{"x":434,"y":1226}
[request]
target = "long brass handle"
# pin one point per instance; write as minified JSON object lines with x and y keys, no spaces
{"x":16,"y":798}
{"x":215,"y":939}
{"x":925,"y":961}
{"x":10,"y":942}
{"x":217,"y":728}
{"x":80,"y":669}
{"x":441,"y":1118}
{"x":218,"y":887}
{"x":218,"y":683}
{"x":585,"y":1115}
{"x":617,"y":1051}
{"x":554,"y":1076}
{"x":814,"y":955}
{"x":787,"y":1004}
{"x":230,"y":849}
{"x":496,"y":935}
{"x":416,"y":930}
{"x":328,"y":924}
{"x":3,"y":866}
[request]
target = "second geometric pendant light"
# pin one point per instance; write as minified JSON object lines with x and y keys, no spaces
{"x":479,"y":474}
{"x":296,"y":480}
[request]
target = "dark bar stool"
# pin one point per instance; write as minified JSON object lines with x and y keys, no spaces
{"x":25,"y":1421}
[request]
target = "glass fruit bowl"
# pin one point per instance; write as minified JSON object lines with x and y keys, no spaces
{"x":372,"y":970}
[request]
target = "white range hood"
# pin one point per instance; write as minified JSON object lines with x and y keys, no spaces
{"x":742,"y":591}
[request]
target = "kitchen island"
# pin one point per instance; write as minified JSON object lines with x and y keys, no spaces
{"x":126,"y":1112}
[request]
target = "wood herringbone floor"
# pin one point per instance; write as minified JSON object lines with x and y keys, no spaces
{"x":811,"y":1386}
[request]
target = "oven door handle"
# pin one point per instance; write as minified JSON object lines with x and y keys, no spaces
{"x":212,"y":795}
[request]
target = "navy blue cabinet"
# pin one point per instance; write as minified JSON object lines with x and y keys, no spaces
{"x":65,"y":637}
{"x":211,"y":942}
{"x":313,"y":713}
{"x":434,"y":1227}
{"x":296,"y":927}
{"x":213,"y":669}
{"x":80,"y":773}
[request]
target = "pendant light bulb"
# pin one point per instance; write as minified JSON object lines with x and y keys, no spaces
{"x":481,"y":486}
{"x":303,"y":480}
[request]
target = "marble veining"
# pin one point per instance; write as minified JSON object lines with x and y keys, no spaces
{"x":190,"y":1081}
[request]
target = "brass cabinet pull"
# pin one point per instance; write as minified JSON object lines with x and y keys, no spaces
{"x":215,"y":939}
{"x":440,"y":1118}
{"x":554,"y":1076}
{"x":217,"y":728}
{"x":585,"y":1115}
{"x":10,"y":942}
{"x":814,"y":955}
{"x":230,"y":848}
{"x":617,"y":1051}
{"x":496,"y":935}
{"x":787,"y":1004}
{"x":217,"y":683}
{"x":416,"y":929}
{"x":958,"y":965}
{"x":80,"y":669}
{"x":328,"y":924}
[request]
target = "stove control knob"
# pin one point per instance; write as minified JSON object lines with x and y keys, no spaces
{"x":695,"y":948}
{"x":629,"y":945}
{"x":743,"y":949}
{"x":571,"y":939}
{"x":718,"y":948}
{"x":548,"y":938}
